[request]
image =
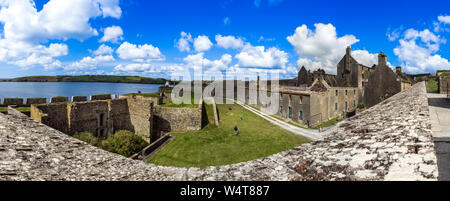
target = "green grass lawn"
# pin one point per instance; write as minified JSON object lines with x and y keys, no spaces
{"x":20,"y":109}
{"x":432,"y":86}
{"x":217,"y":145}
{"x":156,"y":95}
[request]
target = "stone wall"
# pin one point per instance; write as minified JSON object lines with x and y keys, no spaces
{"x":119,"y":116}
{"x":100,"y":117}
{"x":443,"y":84}
{"x":383,"y":83}
{"x":79,"y":98}
{"x":139,"y":108}
{"x":35,"y":101}
{"x":102,"y":97}
{"x":175,"y":119}
{"x":390,"y":141}
{"x":13,"y":101}
{"x":54,"y":115}
{"x":59,"y":99}
{"x":93,"y":117}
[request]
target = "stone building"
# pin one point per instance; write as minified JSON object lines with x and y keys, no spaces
{"x":318,"y":97}
{"x":383,"y":82}
{"x":318,"y":104}
{"x":306,"y":78}
{"x":139,"y":114}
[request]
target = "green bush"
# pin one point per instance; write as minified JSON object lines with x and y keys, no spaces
{"x":361,"y":106}
{"x":88,"y":138}
{"x":124,"y":143}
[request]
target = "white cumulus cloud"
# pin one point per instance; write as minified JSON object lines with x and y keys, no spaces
{"x":229,"y":42}
{"x":183,"y":44}
{"x":103,"y":49}
{"x":133,"y":67}
{"x":444,"y":19}
{"x":112,"y":34}
{"x":259,"y":56}
{"x":90,"y":63}
{"x":202,"y":43}
{"x":139,"y":53}
{"x":197,"y":61}
{"x":25,"y":29}
{"x":417,"y":51}
{"x":320,"y":48}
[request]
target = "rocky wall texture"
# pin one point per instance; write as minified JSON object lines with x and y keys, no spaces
{"x":79,"y":98}
{"x":59,"y":99}
{"x":178,"y":119}
{"x":102,"y":97}
{"x":139,"y":108}
{"x":390,"y":141}
{"x":35,"y":101}
{"x":13,"y":101}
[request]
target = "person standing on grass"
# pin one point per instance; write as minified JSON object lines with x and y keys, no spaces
{"x":236,"y":130}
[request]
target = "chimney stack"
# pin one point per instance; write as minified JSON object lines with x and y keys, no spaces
{"x":348,"y":51}
{"x":382,"y":59}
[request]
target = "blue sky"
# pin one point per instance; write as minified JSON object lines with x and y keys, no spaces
{"x":156,"y":38}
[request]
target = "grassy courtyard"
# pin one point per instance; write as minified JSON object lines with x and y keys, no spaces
{"x":20,"y":109}
{"x":217,"y":145}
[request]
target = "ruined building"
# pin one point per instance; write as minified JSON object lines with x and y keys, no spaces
{"x":142,"y":115}
{"x":317,"y":97}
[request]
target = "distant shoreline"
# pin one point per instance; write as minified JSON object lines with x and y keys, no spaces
{"x":89,"y":78}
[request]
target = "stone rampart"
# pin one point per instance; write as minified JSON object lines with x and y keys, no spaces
{"x":102,"y":97}
{"x":59,"y":99}
{"x":389,"y":141}
{"x":13,"y":101}
{"x":79,"y":98}
{"x":35,"y":101}
{"x":54,"y":115}
{"x":178,"y":119}
{"x":139,"y":108}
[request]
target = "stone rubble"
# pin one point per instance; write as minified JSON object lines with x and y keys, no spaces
{"x":390,"y":141}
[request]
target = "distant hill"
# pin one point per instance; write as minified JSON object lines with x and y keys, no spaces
{"x":90,"y":78}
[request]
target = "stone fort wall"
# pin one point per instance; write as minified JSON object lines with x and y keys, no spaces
{"x":104,"y":117}
{"x":178,"y":119}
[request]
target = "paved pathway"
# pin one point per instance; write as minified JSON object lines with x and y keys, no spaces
{"x":439,"y":107}
{"x":312,"y":134}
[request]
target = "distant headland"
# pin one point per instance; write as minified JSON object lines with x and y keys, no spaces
{"x":89,"y":78}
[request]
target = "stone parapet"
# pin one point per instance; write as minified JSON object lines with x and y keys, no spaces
{"x":35,"y":101}
{"x":79,"y":98}
{"x":102,"y":97}
{"x":59,"y":99}
{"x":13,"y":101}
